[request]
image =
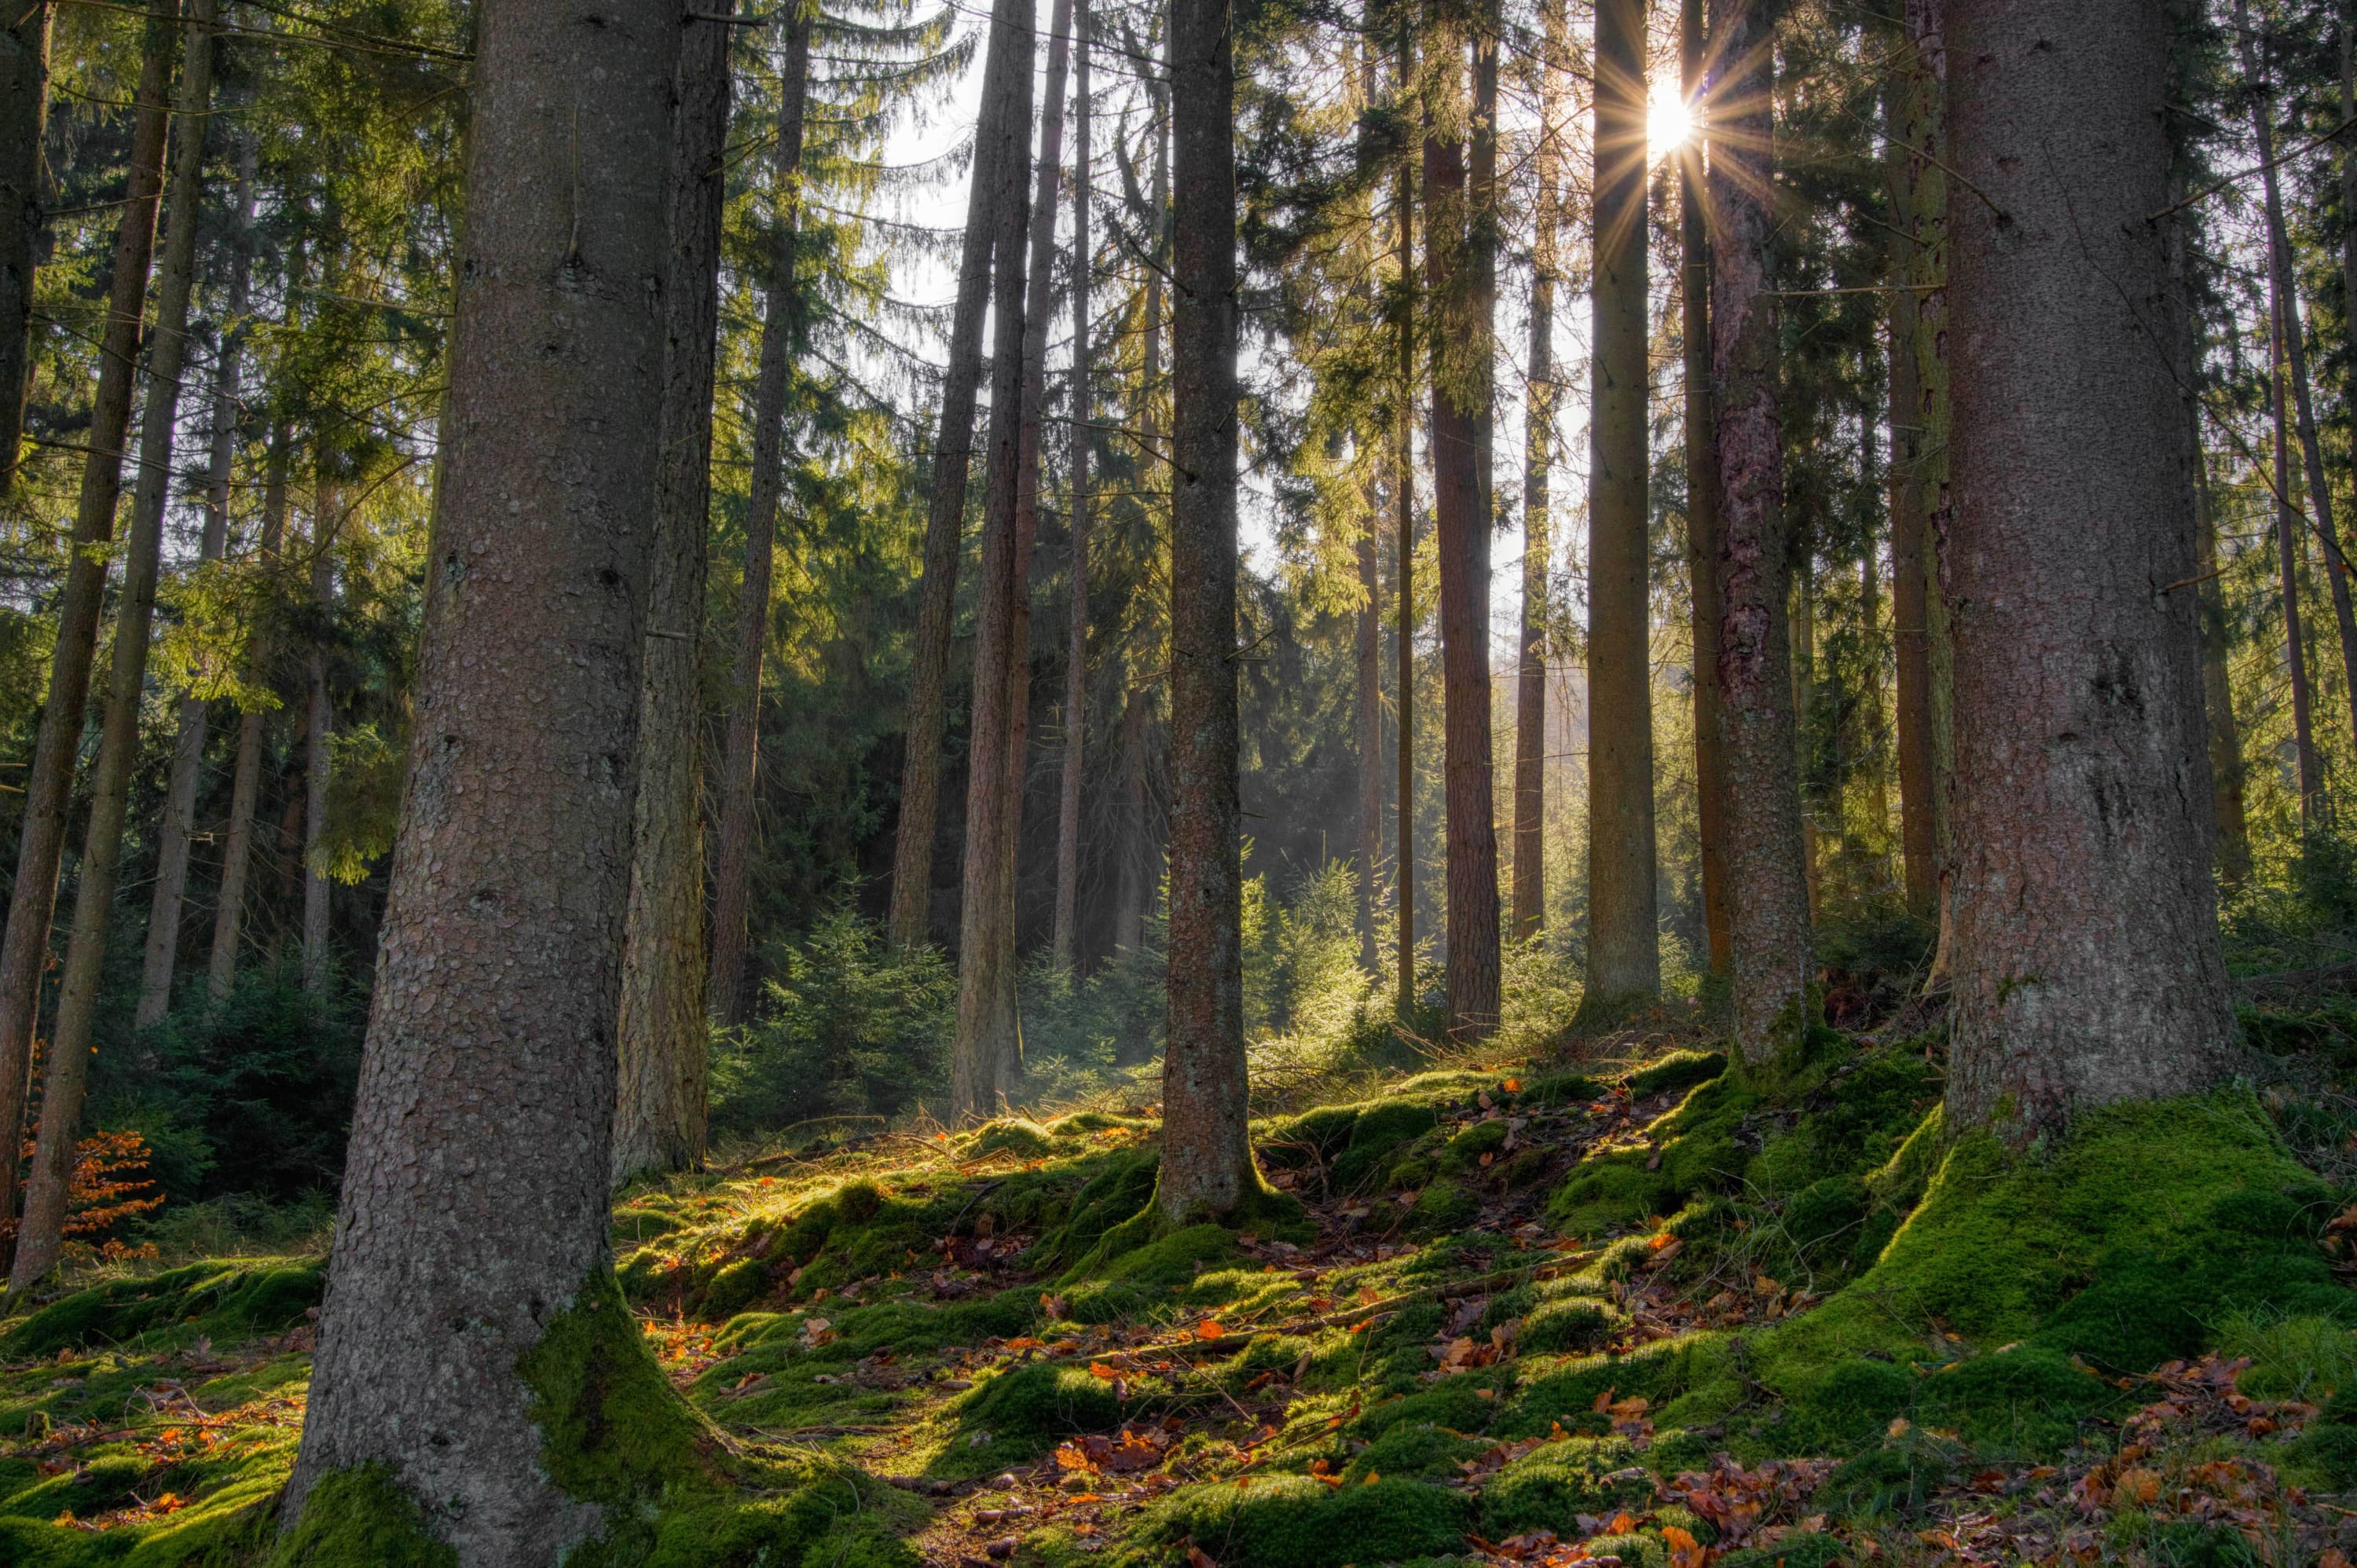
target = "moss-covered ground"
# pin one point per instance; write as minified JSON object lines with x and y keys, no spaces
{"x":1549,"y":1311}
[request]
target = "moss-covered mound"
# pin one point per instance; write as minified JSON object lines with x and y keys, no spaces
{"x":218,"y":1300}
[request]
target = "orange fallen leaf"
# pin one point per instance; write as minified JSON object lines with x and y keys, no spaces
{"x":1209,"y":1329}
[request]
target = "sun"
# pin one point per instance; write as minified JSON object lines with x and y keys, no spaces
{"x":1668,"y":118}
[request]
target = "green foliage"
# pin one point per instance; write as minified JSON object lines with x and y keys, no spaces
{"x":215,"y":1299}
{"x":1549,"y":1487}
{"x":1293,"y":1522}
{"x":358,"y":1519}
{"x":849,"y":1026}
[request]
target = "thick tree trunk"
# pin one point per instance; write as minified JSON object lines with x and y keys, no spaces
{"x":245,"y":779}
{"x":1538,"y":466}
{"x":1702,"y":501}
{"x":659,"y":1095}
{"x":1207,"y":1165}
{"x":1076,"y":635}
{"x":1623,"y":942}
{"x":318,"y":731}
{"x":986,"y":1052}
{"x":1768,"y":895}
{"x":2310,"y":766}
{"x":49,"y":785}
{"x":475,"y":1193}
{"x":732,"y":873}
{"x":2087,"y":965}
{"x":163,"y":951}
{"x":920,"y":770}
{"x":1404,"y":551}
{"x":2233,"y":856}
{"x":24,"y":115}
{"x":65,"y":1063}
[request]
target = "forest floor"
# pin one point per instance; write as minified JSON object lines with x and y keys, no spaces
{"x":1610,"y":1304}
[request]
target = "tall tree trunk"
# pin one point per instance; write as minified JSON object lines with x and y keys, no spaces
{"x":48,"y":785}
{"x":920,"y":770}
{"x":1768,"y":893}
{"x":986,"y":1052}
{"x":2311,"y":767}
{"x":2088,"y":967}
{"x":1803,"y":628}
{"x":23,"y":116}
{"x":1460,"y":393}
{"x":1404,"y":587}
{"x":245,"y":779}
{"x":741,"y":751}
{"x":1136,"y":885}
{"x":1623,"y":942}
{"x":2283,"y":286}
{"x":1076,"y":635}
{"x":1904,"y":115}
{"x":1207,"y":1165}
{"x":475,"y":1192}
{"x":1702,"y":500}
{"x":2233,"y":852}
{"x":163,"y":951}
{"x":318,"y":732}
{"x":66,"y":1064}
{"x":1538,"y":546}
{"x":659,"y":1096}
{"x":1871,"y":712}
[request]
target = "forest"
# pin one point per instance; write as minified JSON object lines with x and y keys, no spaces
{"x":1214,"y":783}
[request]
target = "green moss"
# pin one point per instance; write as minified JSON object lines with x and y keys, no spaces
{"x":1679,"y":1069}
{"x":1378,"y":1133}
{"x":1445,"y":1205}
{"x":1462,"y":1153}
{"x":1551,"y":1487}
{"x":218,"y":1300}
{"x":1558,"y":1088}
{"x":1577,"y":1323}
{"x":1029,"y":1404}
{"x":1294,"y":1521}
{"x":1813,"y":1549}
{"x":1693,"y":1152}
{"x":360,"y":1518}
{"x":1419,"y":1450}
{"x":1024,"y":1138}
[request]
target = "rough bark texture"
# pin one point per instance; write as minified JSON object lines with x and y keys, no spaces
{"x":2232,"y":856}
{"x":1538,"y":466}
{"x":48,"y":785}
{"x":986,"y":1053}
{"x":1767,"y":896}
{"x":2087,"y":964}
{"x":475,"y":1195}
{"x":245,"y":779}
{"x":318,"y":729}
{"x":65,"y":1063}
{"x":1702,"y":502}
{"x":2308,"y":765}
{"x":1076,"y":633}
{"x":2283,"y":286}
{"x":920,"y":770}
{"x":23,"y":114}
{"x":1207,"y":1166}
{"x":1909,"y":559}
{"x":659,"y":1031}
{"x":161,"y":960}
{"x":1623,"y":941}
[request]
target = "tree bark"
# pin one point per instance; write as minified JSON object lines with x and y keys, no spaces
{"x":1902,"y":113}
{"x":1136,"y":885}
{"x":318,"y":762}
{"x":1623,"y":942}
{"x":24,"y":117}
{"x":1076,"y":637}
{"x":49,"y":785}
{"x":475,"y":1192}
{"x":65,"y":1063}
{"x":2233,"y":856}
{"x":2310,"y":765}
{"x":245,"y":785}
{"x":1702,"y":500}
{"x":179,"y":820}
{"x":1207,"y":1163}
{"x":1460,"y":394}
{"x":1367,"y":650}
{"x":732,"y":873}
{"x":1403,"y":589}
{"x":1539,"y":439}
{"x":2285,"y":287}
{"x":660,"y":1028}
{"x":920,"y":770}
{"x":986,"y":1052}
{"x":1768,"y":901}
{"x":2088,"y":967}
